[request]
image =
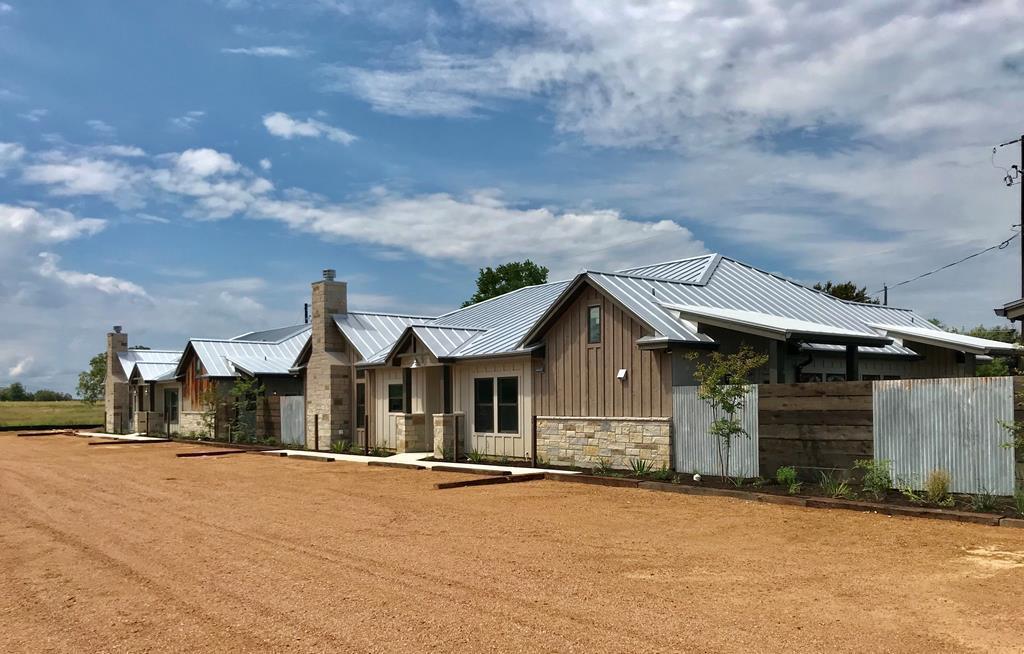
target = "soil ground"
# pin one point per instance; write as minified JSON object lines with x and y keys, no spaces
{"x":129,"y":548}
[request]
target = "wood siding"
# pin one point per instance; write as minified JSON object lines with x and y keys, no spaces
{"x":814,"y":425}
{"x":494,"y":444}
{"x":579,"y":379}
{"x":193,"y":386}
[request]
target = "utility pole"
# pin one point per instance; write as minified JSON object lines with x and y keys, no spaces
{"x":885,"y":295}
{"x":1011,"y":176}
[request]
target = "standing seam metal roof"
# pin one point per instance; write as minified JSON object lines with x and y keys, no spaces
{"x":129,"y":358}
{"x":216,"y":355}
{"x":373,"y":334}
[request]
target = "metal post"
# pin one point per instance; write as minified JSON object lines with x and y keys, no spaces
{"x":316,"y":432}
{"x":885,"y":295}
{"x":852,"y":372}
{"x":455,"y":445}
{"x":533,"y":442}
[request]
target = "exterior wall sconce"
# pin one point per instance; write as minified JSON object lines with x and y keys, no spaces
{"x":621,"y":376}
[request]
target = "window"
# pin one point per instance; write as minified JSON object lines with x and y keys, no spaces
{"x":395,"y":398}
{"x":360,"y":406}
{"x":508,"y":405}
{"x":496,"y":403}
{"x":197,"y":367}
{"x":483,"y":405}
{"x":593,"y":325}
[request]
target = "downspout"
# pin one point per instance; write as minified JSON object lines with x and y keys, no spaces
{"x":800,"y":366}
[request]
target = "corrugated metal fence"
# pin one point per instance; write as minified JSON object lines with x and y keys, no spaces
{"x":946,"y":424}
{"x":696,"y":450}
{"x":293,"y":418}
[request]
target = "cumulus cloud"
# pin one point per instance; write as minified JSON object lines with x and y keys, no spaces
{"x":79,"y":175}
{"x":44,"y":226}
{"x":188,"y":120}
{"x":283,"y":125}
{"x":49,"y":268}
{"x":35,"y":115}
{"x":100,"y":127}
{"x":265,"y":164}
{"x":268,"y":51}
{"x":204,"y":162}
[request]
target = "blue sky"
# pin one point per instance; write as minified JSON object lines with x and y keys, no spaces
{"x":187,"y":168}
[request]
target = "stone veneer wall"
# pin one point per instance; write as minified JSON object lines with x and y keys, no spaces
{"x":411,"y":433}
{"x":444,"y":432}
{"x":190,"y":422}
{"x":583,"y":442}
{"x":115,"y":397}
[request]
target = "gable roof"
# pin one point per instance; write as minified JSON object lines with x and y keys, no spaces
{"x":374,"y":334}
{"x":720,"y":285}
{"x":257,"y":356}
{"x":151,"y":363}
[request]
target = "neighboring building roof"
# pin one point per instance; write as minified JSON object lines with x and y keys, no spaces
{"x":273,"y":335}
{"x":693,"y":270}
{"x":130,"y":358}
{"x":220,"y":356}
{"x":152,"y":372}
{"x":1011,"y":310}
{"x":374,"y":334}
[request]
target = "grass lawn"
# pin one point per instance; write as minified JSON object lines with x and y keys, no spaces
{"x":56,"y":414}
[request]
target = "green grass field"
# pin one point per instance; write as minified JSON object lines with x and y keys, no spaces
{"x":55,"y":414}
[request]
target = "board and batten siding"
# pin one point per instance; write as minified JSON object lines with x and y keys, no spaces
{"x":383,"y":423}
{"x":579,"y":379}
{"x":510,"y":445}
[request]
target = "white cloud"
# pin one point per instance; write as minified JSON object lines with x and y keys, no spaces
{"x":265,"y":164}
{"x":21,"y":367}
{"x":283,"y":125}
{"x":48,"y":268}
{"x":80,"y":175}
{"x":268,"y":51}
{"x":44,"y":226}
{"x":204,"y":162}
{"x":100,"y":127}
{"x":10,"y":154}
{"x":5,"y":8}
{"x":188,"y":120}
{"x":129,"y":151}
{"x":35,"y":115}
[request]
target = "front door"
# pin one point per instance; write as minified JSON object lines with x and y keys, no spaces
{"x":171,"y":410}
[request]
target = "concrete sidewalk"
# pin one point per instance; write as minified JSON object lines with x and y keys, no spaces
{"x":119,"y":437}
{"x":417,"y":458}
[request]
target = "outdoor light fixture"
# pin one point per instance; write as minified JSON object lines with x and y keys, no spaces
{"x":621,"y":376}
{"x":415,"y":363}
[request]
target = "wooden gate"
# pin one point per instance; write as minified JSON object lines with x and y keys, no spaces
{"x":293,"y":414}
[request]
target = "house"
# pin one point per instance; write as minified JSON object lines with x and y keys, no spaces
{"x":141,"y":393}
{"x":567,"y":371}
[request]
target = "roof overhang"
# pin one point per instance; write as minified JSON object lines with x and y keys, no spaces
{"x":774,"y":327}
{"x":948,"y":340}
{"x":1011,"y":310}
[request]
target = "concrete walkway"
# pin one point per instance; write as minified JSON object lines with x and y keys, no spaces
{"x":417,"y":458}
{"x":119,"y":437}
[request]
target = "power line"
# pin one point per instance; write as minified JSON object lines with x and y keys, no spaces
{"x":999,"y":246}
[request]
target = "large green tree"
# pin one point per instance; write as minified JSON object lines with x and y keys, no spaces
{"x":91,"y":382}
{"x":15,"y":393}
{"x":492,"y":282}
{"x":846,"y":291}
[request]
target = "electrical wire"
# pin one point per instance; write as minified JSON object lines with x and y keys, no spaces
{"x":999,"y":246}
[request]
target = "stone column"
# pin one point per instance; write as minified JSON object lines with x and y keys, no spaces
{"x":115,"y":387}
{"x":329,"y":371}
{"x":445,"y":427}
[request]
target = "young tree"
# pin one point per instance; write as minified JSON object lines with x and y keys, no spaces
{"x":846,"y":291}
{"x":209,"y":400}
{"x":246,"y":393}
{"x":723,"y":386}
{"x":492,"y":282}
{"x":92,"y":382}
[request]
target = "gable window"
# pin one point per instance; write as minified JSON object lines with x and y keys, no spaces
{"x":396,"y":397}
{"x":593,"y":325}
{"x":360,"y":406}
{"x":496,"y":405}
{"x":197,"y":367}
{"x":483,"y":405}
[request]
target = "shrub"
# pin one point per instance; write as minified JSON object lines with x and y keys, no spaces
{"x":476,"y":457}
{"x":641,"y":467}
{"x":340,"y":447}
{"x":983,"y":502}
{"x":377,"y":450}
{"x":738,"y":481}
{"x":936,"y":488}
{"x":786,"y":476}
{"x":832,"y":486}
{"x":664,"y":474}
{"x":603,"y":466}
{"x":877,"y":476}
{"x":1018,"y":501}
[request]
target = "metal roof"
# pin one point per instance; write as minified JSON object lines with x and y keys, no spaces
{"x":155,"y":371}
{"x":259,"y":365}
{"x":942,"y":338}
{"x":275,"y":335}
{"x":129,"y":358}
{"x":733,"y":285}
{"x":217,"y":354}
{"x":693,"y":270}
{"x":374,"y":334}
{"x":442,"y":340}
{"x":777,"y":327}
{"x":503,"y":320}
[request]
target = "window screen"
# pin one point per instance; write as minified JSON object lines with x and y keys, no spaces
{"x":483,"y":405}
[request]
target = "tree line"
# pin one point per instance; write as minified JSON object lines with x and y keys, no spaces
{"x":16,"y":393}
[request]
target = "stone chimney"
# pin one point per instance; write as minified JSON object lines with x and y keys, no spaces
{"x":329,"y":371}
{"x":115,"y":391}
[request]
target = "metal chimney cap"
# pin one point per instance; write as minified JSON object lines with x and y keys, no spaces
{"x":329,"y":274}
{"x":117,"y":329}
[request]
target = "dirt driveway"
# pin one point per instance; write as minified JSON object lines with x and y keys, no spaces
{"x":128,"y":548}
